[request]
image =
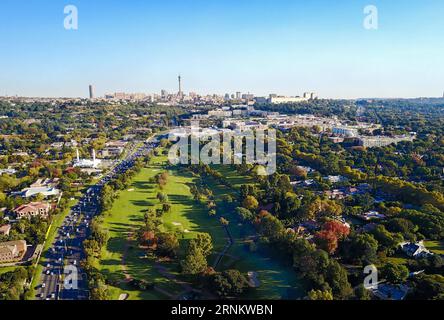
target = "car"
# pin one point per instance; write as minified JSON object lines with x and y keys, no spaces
{"x":52,"y":295}
{"x":48,"y":272}
{"x":48,"y":265}
{"x":43,"y":285}
{"x":74,"y":262}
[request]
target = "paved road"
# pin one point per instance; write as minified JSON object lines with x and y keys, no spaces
{"x":67,"y":248}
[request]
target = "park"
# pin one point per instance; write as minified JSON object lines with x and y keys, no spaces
{"x":123,"y":260}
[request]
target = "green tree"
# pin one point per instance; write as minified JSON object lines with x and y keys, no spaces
{"x":395,"y":273}
{"x":324,"y":295}
{"x":204,"y":242}
{"x":250,"y":203}
{"x":194,"y":262}
{"x":244,"y":214}
{"x":230,"y":283}
{"x":167,"y":244}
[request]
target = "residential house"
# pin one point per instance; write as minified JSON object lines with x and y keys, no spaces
{"x":415,"y":250}
{"x":46,"y":187}
{"x":12,"y":251}
{"x":4,"y":230}
{"x":372,"y":215}
{"x":33,"y":209}
{"x":335,"y":179}
{"x":7,"y":171}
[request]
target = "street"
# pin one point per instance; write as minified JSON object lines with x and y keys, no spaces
{"x":67,"y":248}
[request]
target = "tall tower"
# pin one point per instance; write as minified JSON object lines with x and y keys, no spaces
{"x":180,"y":85}
{"x":91,"y":91}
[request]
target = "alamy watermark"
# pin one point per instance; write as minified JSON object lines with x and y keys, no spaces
{"x":242,"y":146}
{"x":71,"y":281}
{"x":371,"y":19}
{"x":71,"y":21}
{"x":371,"y":280}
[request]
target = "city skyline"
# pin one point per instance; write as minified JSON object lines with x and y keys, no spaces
{"x":284,"y":47}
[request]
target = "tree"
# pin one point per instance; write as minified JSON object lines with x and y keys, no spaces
{"x":338,"y":228}
{"x":162,"y":197}
{"x":324,"y":295}
{"x":204,"y":242}
{"x":326,"y":240}
{"x":167,"y":244}
{"x":270,"y":226}
{"x":224,"y":221}
{"x":194,"y":262}
{"x":428,"y":287}
{"x":362,"y":248}
{"x":320,"y":207}
{"x":151,"y":221}
{"x":244,"y":214}
{"x":166,"y":207}
{"x":337,"y":278}
{"x":164,"y":143}
{"x":387,"y":241}
{"x":395,"y":273}
{"x":361,"y":293}
{"x":250,"y":203}
{"x":230,"y":283}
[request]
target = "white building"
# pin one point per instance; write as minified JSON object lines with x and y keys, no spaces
{"x":86,"y":163}
{"x":280,"y":99}
{"x":345,"y":131}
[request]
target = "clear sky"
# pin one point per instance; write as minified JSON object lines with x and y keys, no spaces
{"x":258,"y":46}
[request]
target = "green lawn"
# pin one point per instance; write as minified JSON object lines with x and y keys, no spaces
{"x":278,"y":279}
{"x":186,"y":217}
{"x":397,"y":259}
{"x":435,"y":246}
{"x":6,"y":269}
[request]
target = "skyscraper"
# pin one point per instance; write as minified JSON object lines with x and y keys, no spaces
{"x":91,"y":91}
{"x":180,"y":85}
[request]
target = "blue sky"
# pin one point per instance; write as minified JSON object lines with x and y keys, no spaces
{"x":258,"y":46}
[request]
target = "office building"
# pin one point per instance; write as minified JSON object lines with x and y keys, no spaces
{"x":91,"y":91}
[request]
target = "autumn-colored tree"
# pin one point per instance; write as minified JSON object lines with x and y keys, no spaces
{"x":322,"y":207}
{"x":320,"y":295}
{"x":224,"y":221}
{"x":326,"y":240}
{"x":250,"y":203}
{"x":338,"y":228}
{"x":298,"y":172}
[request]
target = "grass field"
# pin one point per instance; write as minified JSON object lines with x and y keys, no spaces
{"x":186,"y":218}
{"x":6,"y":269}
{"x":435,"y":246}
{"x":278,"y":279}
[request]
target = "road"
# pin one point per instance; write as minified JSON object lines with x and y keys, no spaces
{"x":67,"y":248}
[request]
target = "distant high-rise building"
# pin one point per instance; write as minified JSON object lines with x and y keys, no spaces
{"x":180,"y":85}
{"x":238,"y":95}
{"x":91,"y":91}
{"x":163,"y":94}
